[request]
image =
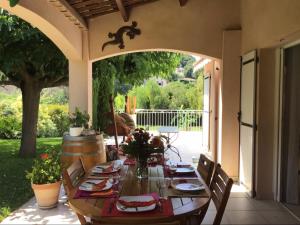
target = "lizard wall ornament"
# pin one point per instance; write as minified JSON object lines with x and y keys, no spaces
{"x":117,"y":37}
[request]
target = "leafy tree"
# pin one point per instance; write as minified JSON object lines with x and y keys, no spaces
{"x":187,"y":62}
{"x":130,"y":69}
{"x":30,"y":61}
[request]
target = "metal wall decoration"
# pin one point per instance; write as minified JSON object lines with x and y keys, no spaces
{"x":117,"y":37}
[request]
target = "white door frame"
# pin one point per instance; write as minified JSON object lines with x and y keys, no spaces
{"x":278,"y":145}
{"x":250,"y":57}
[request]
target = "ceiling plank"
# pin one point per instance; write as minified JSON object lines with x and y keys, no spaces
{"x":183,"y":2}
{"x":64,"y":6}
{"x":123,"y":10}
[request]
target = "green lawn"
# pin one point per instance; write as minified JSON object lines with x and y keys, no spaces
{"x":15,"y":189}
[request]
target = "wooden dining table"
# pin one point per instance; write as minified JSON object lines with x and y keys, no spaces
{"x":184,"y":203}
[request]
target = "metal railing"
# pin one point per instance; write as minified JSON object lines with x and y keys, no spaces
{"x":185,"y":120}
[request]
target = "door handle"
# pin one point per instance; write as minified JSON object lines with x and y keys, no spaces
{"x":239,"y":115}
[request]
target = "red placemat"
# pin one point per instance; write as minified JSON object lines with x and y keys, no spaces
{"x":166,"y":210}
{"x":167,"y":173}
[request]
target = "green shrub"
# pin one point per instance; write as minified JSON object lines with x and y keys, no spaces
{"x":10,"y":121}
{"x":46,"y":127}
{"x":61,"y":120}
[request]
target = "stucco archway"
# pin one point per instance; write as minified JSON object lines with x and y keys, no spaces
{"x":52,"y":23}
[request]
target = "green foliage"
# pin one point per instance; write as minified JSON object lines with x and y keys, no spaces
{"x":39,"y":58}
{"x":45,"y":126}
{"x":53,"y":120}
{"x":46,"y":169}
{"x":103,"y":88}
{"x":15,"y":188}
{"x":13,"y":3}
{"x":10,"y":121}
{"x":61,"y":121}
{"x":119,"y":103}
{"x":125,"y":71}
{"x":79,"y":119}
{"x":4,"y":212}
{"x":56,"y":96}
{"x":174,"y":95}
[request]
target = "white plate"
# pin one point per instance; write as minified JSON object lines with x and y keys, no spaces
{"x":100,"y":169}
{"x":121,"y":208}
{"x":185,"y":170}
{"x":87,"y":186}
{"x":189,"y":187}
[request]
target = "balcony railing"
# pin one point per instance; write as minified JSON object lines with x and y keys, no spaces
{"x":185,"y":120}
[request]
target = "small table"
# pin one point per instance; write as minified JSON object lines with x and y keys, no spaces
{"x":172,"y":135}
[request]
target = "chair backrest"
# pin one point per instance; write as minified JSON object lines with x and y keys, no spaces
{"x":71,"y":178}
{"x":220,"y":190}
{"x":205,"y":168}
{"x":72,"y":175}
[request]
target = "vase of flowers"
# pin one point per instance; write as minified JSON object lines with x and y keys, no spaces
{"x":141,"y":146}
{"x":78,"y":120}
{"x":45,"y":178}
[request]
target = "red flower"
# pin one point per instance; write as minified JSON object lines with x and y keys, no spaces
{"x":44,"y":156}
{"x":129,"y":139}
{"x":156,"y":142}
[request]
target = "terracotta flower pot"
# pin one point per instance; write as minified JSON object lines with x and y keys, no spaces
{"x":46,"y":194}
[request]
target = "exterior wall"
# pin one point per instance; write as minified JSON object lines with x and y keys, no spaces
{"x":230,"y":85}
{"x":47,"y":18}
{"x":197,"y":27}
{"x":268,"y":23}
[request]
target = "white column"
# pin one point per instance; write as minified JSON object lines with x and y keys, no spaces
{"x":80,"y":85}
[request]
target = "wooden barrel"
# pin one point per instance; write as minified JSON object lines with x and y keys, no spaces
{"x":89,"y":148}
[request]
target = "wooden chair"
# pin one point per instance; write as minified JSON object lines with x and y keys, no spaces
{"x":220,"y":190}
{"x":71,"y":178}
{"x":205,"y":168}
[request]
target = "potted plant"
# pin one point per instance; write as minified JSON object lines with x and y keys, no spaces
{"x":78,"y":120}
{"x":45,"y":178}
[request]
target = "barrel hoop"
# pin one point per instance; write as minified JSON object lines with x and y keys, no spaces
{"x":78,"y":153}
{"x":78,"y":144}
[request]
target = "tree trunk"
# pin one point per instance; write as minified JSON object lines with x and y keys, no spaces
{"x":31,"y":99}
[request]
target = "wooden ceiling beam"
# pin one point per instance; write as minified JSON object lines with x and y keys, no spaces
{"x":183,"y":2}
{"x":122,"y":10}
{"x":70,"y":12}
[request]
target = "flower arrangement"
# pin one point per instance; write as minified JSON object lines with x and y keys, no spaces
{"x":141,"y":145}
{"x":46,"y":169}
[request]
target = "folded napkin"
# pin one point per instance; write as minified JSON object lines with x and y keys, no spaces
{"x":100,"y":186}
{"x":103,"y":169}
{"x":166,"y":210}
{"x":129,"y":162}
{"x":108,"y":169}
{"x":97,"y":194}
{"x":135,"y":204}
{"x":103,"y":193}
